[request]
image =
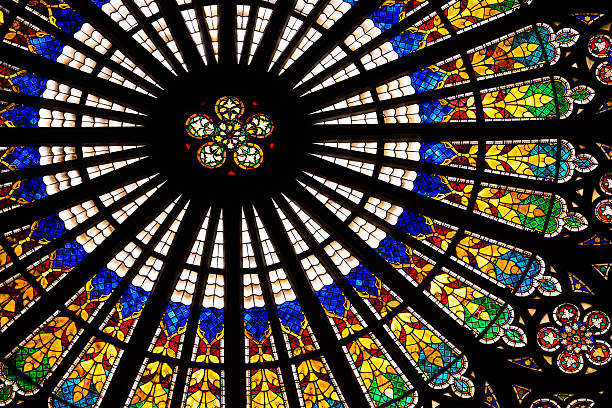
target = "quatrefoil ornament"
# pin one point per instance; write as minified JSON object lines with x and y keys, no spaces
{"x":229,"y":135}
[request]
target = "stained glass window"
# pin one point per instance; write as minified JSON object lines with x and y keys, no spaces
{"x":305,"y":203}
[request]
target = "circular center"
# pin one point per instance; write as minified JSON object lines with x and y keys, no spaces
{"x":235,"y":133}
{"x":229,"y":135}
{"x":576,"y":338}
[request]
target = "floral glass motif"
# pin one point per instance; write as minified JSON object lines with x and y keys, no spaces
{"x":603,"y":211}
{"x":605,"y":183}
{"x":575,"y":403}
{"x":600,"y":47}
{"x":230,"y":134}
{"x":575,"y":338}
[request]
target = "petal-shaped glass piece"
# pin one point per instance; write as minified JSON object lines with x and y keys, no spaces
{"x":229,"y":108}
{"x":200,"y":126}
{"x":259,"y":125}
{"x":248,"y":156}
{"x":212,"y":155}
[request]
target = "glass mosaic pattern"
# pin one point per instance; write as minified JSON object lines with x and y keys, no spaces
{"x":444,"y":242}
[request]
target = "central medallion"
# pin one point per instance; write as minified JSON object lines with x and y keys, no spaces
{"x":229,"y":135}
{"x":238,"y":131}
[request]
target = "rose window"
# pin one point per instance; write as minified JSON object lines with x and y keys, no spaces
{"x":305,"y":204}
